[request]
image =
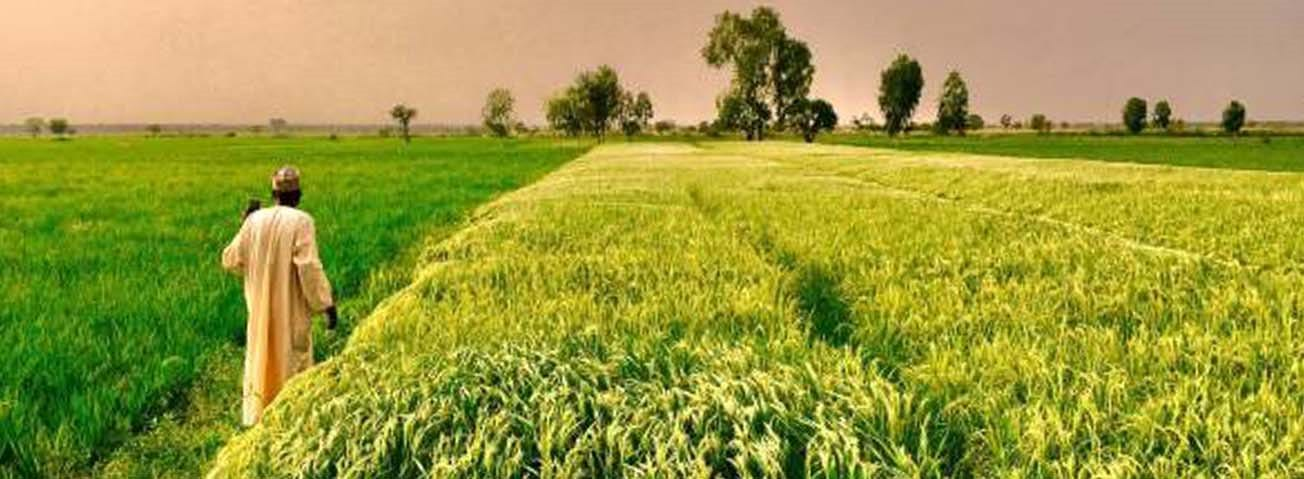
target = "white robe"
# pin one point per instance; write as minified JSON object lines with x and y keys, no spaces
{"x":276,"y":253}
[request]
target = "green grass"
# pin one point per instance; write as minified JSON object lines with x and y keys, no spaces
{"x":785,"y":310}
{"x":1278,"y":153}
{"x":113,"y":301}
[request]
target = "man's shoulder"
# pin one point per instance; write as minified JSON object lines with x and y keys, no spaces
{"x":282,"y":214}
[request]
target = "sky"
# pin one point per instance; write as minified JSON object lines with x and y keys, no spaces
{"x":348,"y":61}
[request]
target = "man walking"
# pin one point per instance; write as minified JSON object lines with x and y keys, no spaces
{"x":276,"y":254}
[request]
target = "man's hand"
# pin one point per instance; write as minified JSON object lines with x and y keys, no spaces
{"x":332,"y":317}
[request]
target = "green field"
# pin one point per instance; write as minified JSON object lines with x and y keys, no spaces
{"x":768,"y":310}
{"x":112,"y":298}
{"x":1276,"y":153}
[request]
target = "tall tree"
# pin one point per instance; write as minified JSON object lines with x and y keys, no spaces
{"x":1233,"y":118}
{"x":771,"y":71}
{"x":813,"y":116}
{"x":404,"y":115}
{"x":564,"y":115}
{"x":898,"y":93}
{"x":1134,"y":115}
{"x":59,"y":127}
{"x":599,"y":93}
{"x":1163,"y":115}
{"x":635,"y":113}
{"x":34,"y":126}
{"x":278,"y":125}
{"x":499,"y":112}
{"x":953,"y":106}
{"x":1007,"y":121}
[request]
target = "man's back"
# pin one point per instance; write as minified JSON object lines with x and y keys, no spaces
{"x":276,"y":253}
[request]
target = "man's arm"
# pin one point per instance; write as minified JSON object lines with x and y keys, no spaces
{"x":236,"y":254}
{"x":312,"y":278}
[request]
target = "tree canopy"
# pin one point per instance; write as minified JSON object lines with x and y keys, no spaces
{"x":1233,"y":117}
{"x":953,"y":106}
{"x":1163,"y":115}
{"x":898,"y":93}
{"x":813,"y":116}
{"x":772,"y":72}
{"x":591,"y":104}
{"x":1134,"y":115}
{"x":404,"y":115}
{"x":635,"y":113}
{"x":499,"y":112}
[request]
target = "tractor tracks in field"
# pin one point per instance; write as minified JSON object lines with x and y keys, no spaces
{"x":1077,"y":228}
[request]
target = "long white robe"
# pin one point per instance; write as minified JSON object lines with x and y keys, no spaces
{"x":284,"y":284}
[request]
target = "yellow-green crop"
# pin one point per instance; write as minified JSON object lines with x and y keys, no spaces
{"x":814,"y":311}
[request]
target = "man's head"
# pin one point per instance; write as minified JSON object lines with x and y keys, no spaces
{"x":285,"y":186}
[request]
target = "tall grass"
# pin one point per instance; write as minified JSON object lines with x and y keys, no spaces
{"x":110,"y":296}
{"x":811,"y":311}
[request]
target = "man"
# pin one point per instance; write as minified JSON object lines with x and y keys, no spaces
{"x":276,"y":253}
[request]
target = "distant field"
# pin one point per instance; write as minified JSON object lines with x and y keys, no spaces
{"x":111,"y":295}
{"x":787,"y":310}
{"x":1281,"y":153}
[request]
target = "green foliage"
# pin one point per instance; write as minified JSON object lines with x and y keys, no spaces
{"x":499,"y":112}
{"x":1163,"y":115}
{"x":663,"y":127}
{"x":112,"y":296}
{"x":772,"y":72}
{"x":592,"y":104}
{"x":563,"y":114}
{"x":278,"y":126}
{"x":1040,"y":124}
{"x":635,"y":113}
{"x":403,"y":115}
{"x":1007,"y":121}
{"x":1233,"y":118}
{"x":34,"y":125}
{"x":59,"y":126}
{"x":813,"y":116}
{"x":718,"y":310}
{"x":953,"y":105}
{"x":898,"y":93}
{"x":974,"y":122}
{"x":1134,"y":115}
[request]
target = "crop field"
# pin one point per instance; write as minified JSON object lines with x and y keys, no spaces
{"x":111,"y":296}
{"x":727,"y":309}
{"x":1274,"y":153}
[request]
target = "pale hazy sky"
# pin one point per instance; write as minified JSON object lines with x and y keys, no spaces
{"x":347,"y":61}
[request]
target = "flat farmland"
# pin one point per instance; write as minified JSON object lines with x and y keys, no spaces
{"x":111,"y":295}
{"x":730,"y":309}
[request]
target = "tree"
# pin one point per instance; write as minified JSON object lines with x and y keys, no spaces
{"x":59,"y":126}
{"x":591,"y":104}
{"x":1039,"y":123}
{"x":898,"y":93}
{"x":1134,"y":115}
{"x":772,"y":72}
{"x":635,"y":113}
{"x":1007,"y":121}
{"x":974,"y":122}
{"x":563,"y":114}
{"x":35,"y":125}
{"x":1233,"y":118}
{"x":1163,"y":115}
{"x":403,"y":115}
{"x":278,"y":126}
{"x":154,"y":129}
{"x":663,"y":127}
{"x":953,"y":105}
{"x":499,"y":112}
{"x":813,"y":116}
{"x":863,"y":122}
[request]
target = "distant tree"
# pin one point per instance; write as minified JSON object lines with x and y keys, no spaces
{"x":1007,"y":121}
{"x":1163,"y":114}
{"x":898,"y":93}
{"x":403,"y":115}
{"x":663,"y":127}
{"x":953,"y":105}
{"x":59,"y":127}
{"x":635,"y":113}
{"x":1064,"y":125}
{"x":154,"y":129}
{"x":1039,"y":123}
{"x":563,"y":113}
{"x":278,"y":126}
{"x":974,"y":122}
{"x":1134,"y":115}
{"x":256,"y":129}
{"x":499,"y":112}
{"x":34,"y":125}
{"x":772,"y":72}
{"x":863,"y":122}
{"x":1233,"y":118}
{"x":385,"y":132}
{"x":813,"y":116}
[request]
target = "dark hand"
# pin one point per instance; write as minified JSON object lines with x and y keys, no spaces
{"x":332,"y":317}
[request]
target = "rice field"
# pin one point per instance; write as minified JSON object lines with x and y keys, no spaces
{"x":788,"y":310}
{"x":112,"y":303}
